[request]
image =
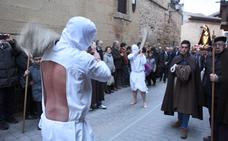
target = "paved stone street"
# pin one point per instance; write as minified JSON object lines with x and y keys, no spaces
{"x":124,"y":122}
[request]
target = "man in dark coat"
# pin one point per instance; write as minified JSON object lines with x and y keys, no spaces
{"x":97,"y":86}
{"x":12,"y":60}
{"x":223,"y":104}
{"x":182,"y":92}
{"x":118,"y":62}
{"x":219,"y":80}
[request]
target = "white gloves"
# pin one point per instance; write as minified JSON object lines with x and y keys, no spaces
{"x":173,"y":68}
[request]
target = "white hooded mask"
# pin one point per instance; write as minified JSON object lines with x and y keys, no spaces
{"x":78,"y":33}
{"x":134,"y":49}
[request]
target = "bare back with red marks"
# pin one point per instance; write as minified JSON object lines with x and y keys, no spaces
{"x":54,"y":82}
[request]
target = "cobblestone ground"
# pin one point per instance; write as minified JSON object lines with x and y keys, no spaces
{"x":124,"y":122}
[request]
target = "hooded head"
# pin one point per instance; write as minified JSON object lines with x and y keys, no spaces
{"x":79,"y":33}
{"x":134,"y":49}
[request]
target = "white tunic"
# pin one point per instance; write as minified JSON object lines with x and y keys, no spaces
{"x":80,"y":67}
{"x":137,"y":76}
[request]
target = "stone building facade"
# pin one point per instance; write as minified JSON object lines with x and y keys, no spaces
{"x":223,"y":13}
{"x":162,"y":21}
{"x":191,"y":28}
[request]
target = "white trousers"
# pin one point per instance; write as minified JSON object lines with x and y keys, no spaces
{"x":65,"y":131}
{"x":137,"y":81}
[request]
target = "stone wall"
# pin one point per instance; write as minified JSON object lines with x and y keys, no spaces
{"x":163,"y":26}
{"x":164,"y":22}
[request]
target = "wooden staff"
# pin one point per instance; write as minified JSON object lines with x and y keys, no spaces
{"x":213,"y":95}
{"x":25,"y":97}
{"x":213,"y":89}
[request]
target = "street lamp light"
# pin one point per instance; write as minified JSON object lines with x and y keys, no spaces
{"x":178,"y":6}
{"x":175,"y":4}
{"x":133,"y":5}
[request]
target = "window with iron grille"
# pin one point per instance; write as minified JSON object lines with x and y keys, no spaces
{"x":122,"y":6}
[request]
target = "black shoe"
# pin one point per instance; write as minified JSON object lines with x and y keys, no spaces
{"x":38,"y":128}
{"x":4,"y":125}
{"x":30,"y":117}
{"x":184,"y":133}
{"x":124,"y":86}
{"x":208,"y":138}
{"x":107,"y":92}
{"x":93,"y":107}
{"x":177,"y":124}
{"x":154,"y":83}
{"x":115,"y":89}
{"x":12,"y":120}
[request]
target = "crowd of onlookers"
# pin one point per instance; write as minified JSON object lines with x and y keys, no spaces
{"x":116,"y":58}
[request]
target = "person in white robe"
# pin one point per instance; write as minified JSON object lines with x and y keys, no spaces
{"x":67,"y":70}
{"x":137,"y":76}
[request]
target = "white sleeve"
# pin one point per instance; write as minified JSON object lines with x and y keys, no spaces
{"x":155,"y":65}
{"x":105,"y":58}
{"x":98,"y":70}
{"x":131,"y":56}
{"x":143,"y":59}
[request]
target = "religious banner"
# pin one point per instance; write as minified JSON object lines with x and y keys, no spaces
{"x":205,"y":38}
